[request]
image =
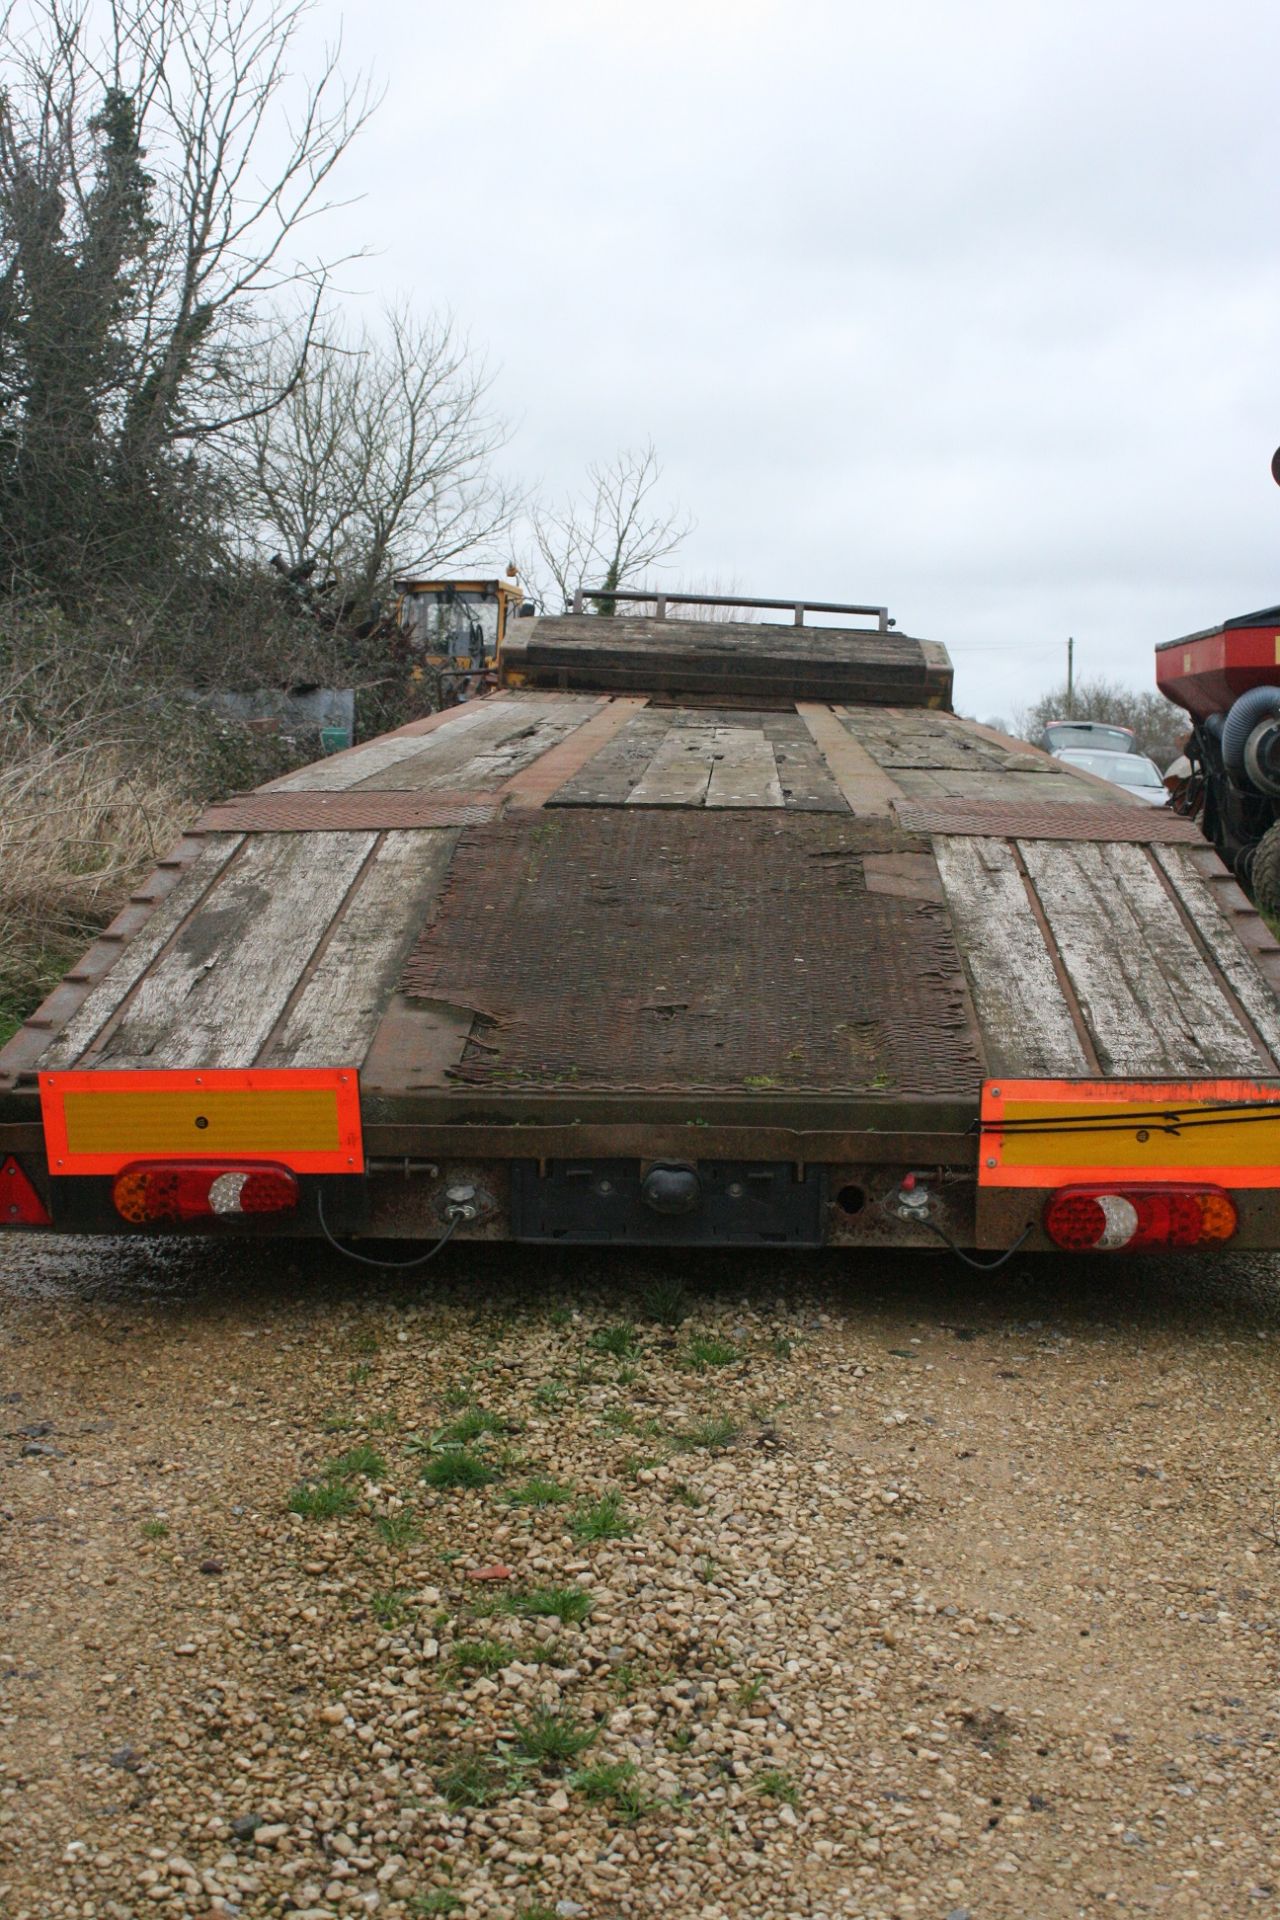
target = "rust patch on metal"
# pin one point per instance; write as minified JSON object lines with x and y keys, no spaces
{"x":354,"y":809}
{"x":1042,"y":820}
{"x":636,"y":950}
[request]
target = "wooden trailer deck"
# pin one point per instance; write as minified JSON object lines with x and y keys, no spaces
{"x":585,"y":921}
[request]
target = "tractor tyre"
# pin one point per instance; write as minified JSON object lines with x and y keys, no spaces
{"x":1265,"y":874}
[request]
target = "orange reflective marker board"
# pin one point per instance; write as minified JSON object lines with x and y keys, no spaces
{"x":1050,"y":1133}
{"x":305,"y":1118}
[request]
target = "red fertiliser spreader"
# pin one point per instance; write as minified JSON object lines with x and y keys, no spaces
{"x":1228,"y":679}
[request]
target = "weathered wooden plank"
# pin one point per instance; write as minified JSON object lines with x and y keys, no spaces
{"x":1026,"y":1021}
{"x":116,"y":985}
{"x":1152,"y":1005}
{"x":494,"y":766}
{"x":455,"y":761}
{"x":610,"y":777}
{"x":1224,"y":943}
{"x":534,"y":786}
{"x":333,"y":1019}
{"x":376,"y":756}
{"x":680,"y":771}
{"x":745,"y":773}
{"x":215,"y":994}
{"x":866,"y":786}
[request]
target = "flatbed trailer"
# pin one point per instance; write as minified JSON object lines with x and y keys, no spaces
{"x":692,"y":933}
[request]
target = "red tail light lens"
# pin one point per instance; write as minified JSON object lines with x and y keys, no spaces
{"x":1106,"y":1219}
{"x":178,"y":1190}
{"x":20,"y":1204}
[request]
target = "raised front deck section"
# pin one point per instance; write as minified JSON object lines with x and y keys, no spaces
{"x":727,"y":660}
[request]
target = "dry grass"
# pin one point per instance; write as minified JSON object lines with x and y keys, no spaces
{"x":81,"y":823}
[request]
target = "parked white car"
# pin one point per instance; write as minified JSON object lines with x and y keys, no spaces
{"x":1132,"y":771}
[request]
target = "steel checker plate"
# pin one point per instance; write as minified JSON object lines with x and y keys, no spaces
{"x":358,"y":809}
{"x":1031,"y":820}
{"x":645,"y":951}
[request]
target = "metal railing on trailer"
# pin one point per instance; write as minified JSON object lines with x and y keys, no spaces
{"x":661,"y":601}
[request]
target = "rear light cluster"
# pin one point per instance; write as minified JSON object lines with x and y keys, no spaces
{"x":1106,"y":1219}
{"x":148,"y":1192}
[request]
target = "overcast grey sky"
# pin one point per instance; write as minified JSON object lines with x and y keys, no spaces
{"x":974,"y":310}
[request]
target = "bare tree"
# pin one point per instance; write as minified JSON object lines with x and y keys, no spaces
{"x":608,"y":535}
{"x":379,"y":455}
{"x":159,"y":162}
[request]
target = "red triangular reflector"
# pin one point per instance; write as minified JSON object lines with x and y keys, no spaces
{"x":20,"y":1204}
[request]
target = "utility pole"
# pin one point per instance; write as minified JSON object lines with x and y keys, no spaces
{"x":1071,"y":679}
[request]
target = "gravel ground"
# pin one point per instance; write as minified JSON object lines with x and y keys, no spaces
{"x":809,"y":1587}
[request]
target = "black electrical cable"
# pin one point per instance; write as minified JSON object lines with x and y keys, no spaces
{"x":387,"y":1266}
{"x":979,"y":1266}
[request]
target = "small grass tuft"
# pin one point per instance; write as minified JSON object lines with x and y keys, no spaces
{"x":337,"y":1423}
{"x":155,"y":1529}
{"x":398,"y":1529}
{"x":708,"y":1436}
{"x":606,"y":1520}
{"x":666,"y":1302}
{"x":549,"y":1394}
{"x":622,"y":1341}
{"x":540,"y":1492}
{"x":749,"y":1692}
{"x":687,"y":1496}
{"x":602,"y":1782}
{"x":321,"y":1500}
{"x":481,"y":1656}
{"x":472,"y":1780}
{"x":389,"y":1607}
{"x":782,"y":1348}
{"x":458,"y":1467}
{"x":537,"y":1913}
{"x":364,"y":1461}
{"x":773,"y":1784}
{"x":473,"y":1423}
{"x":709,"y":1350}
{"x":551,"y":1739}
{"x":569,"y":1605}
{"x":439,"y":1900}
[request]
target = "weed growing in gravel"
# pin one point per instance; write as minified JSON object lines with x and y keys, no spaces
{"x":782,"y":1348}
{"x":389,"y":1607}
{"x":681,"y":1740}
{"x":619,"y":1419}
{"x":337,"y":1423}
{"x":537,"y":1913}
{"x":366,"y":1462}
{"x":551,"y":1739}
{"x":622,"y":1341}
{"x":155,"y":1529}
{"x":360,"y":1375}
{"x":749,"y":1692}
{"x":632,"y":1465}
{"x":398,"y":1529}
{"x":473,"y":1780}
{"x":322,"y":1500}
{"x":706,"y":1569}
{"x":549,"y":1394}
{"x":613,"y":1782}
{"x":773,"y":1784}
{"x":707,"y":1436}
{"x":627,"y":1376}
{"x":460,"y":1394}
{"x":439,"y":1900}
{"x":473,"y":1423}
{"x":365,"y":1341}
{"x":481,"y":1656}
{"x":458,"y":1467}
{"x":540,"y":1492}
{"x":709,"y":1350}
{"x":666,"y":1302}
{"x":569,"y":1605}
{"x":386,"y":1420}
{"x":687,"y":1496}
{"x":606,"y":1520}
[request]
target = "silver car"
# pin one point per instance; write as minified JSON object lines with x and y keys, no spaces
{"x":1132,"y":771}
